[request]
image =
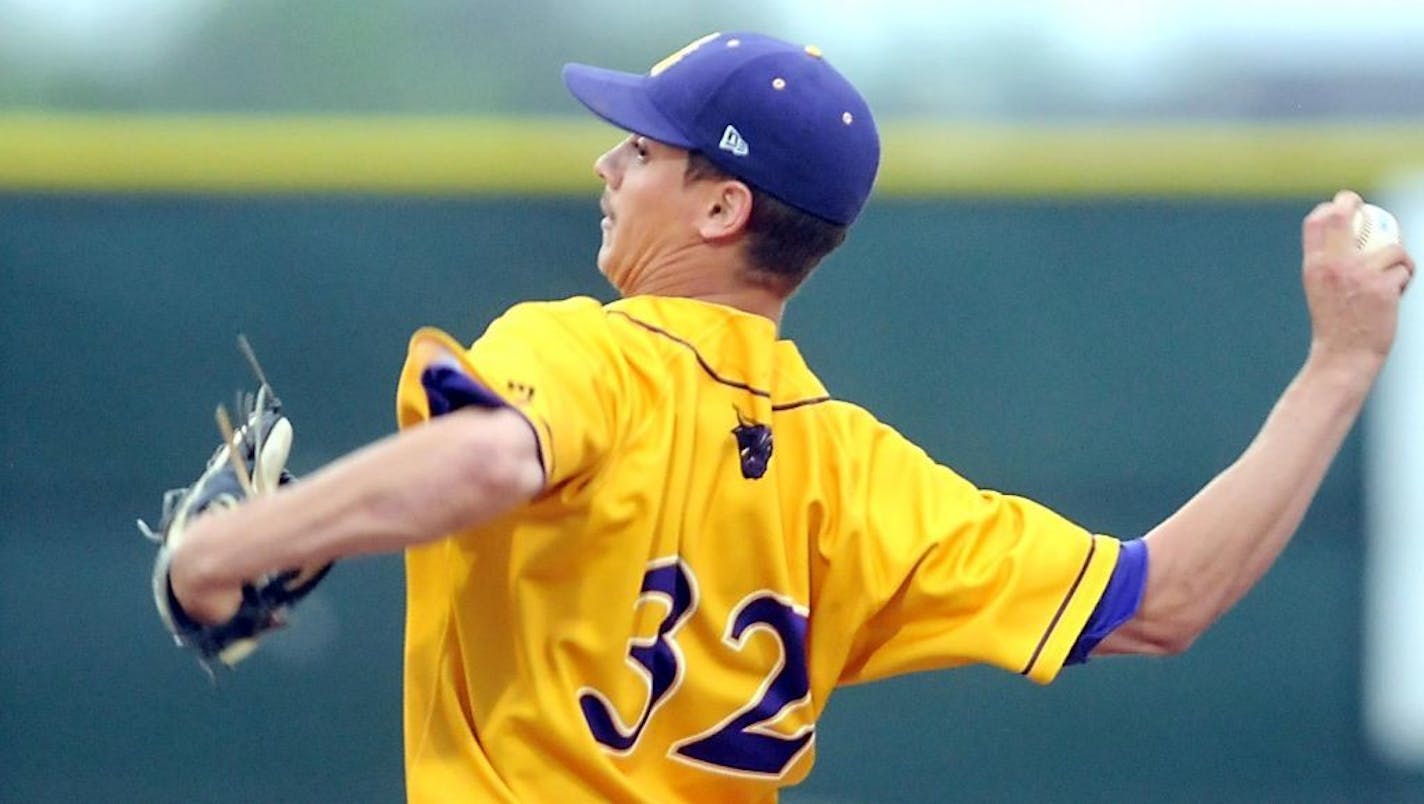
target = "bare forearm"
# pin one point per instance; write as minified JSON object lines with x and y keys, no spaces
{"x":1208,"y":554}
{"x":1205,"y":557}
{"x":420,"y":485}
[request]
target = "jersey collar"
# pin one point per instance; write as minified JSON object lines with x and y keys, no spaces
{"x":736,"y":347}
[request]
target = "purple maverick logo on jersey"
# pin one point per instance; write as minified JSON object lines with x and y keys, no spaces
{"x":753,"y":445}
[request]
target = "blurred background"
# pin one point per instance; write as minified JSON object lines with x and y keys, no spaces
{"x":1078,"y":280}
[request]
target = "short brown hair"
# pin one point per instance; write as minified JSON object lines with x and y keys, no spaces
{"x":784,"y":244}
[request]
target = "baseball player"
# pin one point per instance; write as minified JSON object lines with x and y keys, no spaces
{"x":644,"y":543}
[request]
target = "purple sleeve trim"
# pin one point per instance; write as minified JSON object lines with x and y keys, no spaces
{"x":1119,"y":601}
{"x":448,"y":389}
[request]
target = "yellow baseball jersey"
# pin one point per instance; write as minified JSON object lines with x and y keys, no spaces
{"x":718,"y":546}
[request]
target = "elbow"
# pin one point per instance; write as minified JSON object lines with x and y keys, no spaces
{"x":1167,"y":631}
{"x":455,"y":472}
{"x":497,"y":460}
{"x":1176,"y":640}
{"x":1145,"y":637}
{"x":1178,"y":605}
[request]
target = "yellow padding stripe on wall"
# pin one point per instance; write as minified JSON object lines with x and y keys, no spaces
{"x":257,"y":154}
{"x":446,"y":156}
{"x":1184,"y":159}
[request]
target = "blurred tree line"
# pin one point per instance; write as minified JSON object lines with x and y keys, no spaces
{"x":1017,"y":60}
{"x":370,"y":56}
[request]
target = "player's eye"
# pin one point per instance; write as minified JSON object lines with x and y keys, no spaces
{"x":640,"y":148}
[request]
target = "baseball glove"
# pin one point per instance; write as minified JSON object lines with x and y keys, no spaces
{"x":251,"y":461}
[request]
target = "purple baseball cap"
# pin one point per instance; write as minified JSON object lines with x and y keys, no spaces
{"x":773,"y":114}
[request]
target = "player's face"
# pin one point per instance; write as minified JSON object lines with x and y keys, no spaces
{"x":649,"y":210}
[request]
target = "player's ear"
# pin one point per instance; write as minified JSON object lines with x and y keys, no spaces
{"x":726,"y":209}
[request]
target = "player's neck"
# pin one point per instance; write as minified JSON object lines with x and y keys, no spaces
{"x":754,"y":300}
{"x":717,"y":283}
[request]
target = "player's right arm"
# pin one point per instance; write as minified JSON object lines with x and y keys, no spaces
{"x":418,"y":485}
{"x":477,"y":442}
{"x":1207,"y":555}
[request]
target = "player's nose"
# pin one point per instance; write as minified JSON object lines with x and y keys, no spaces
{"x":606,"y":166}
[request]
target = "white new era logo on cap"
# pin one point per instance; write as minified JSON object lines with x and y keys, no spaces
{"x":732,"y":141}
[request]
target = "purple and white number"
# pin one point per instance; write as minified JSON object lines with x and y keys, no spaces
{"x":743,"y":743}
{"x":658,"y":659}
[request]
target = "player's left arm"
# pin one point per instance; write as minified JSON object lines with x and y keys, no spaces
{"x":421,"y":484}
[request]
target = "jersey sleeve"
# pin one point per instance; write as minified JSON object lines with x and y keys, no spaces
{"x":544,"y":360}
{"x":957,"y":575}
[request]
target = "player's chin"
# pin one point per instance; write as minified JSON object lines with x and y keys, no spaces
{"x":614,"y":268}
{"x":605,"y":258}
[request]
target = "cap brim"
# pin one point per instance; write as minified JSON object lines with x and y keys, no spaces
{"x":623,"y":100}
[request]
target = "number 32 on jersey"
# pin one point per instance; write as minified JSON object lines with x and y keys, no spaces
{"x":743,"y":743}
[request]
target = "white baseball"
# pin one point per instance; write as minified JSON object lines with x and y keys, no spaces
{"x":1375,"y":228}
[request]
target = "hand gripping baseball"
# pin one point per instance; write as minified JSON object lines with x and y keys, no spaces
{"x":1353,"y":292}
{"x":250,"y":462}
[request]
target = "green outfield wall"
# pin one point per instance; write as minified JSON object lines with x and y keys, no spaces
{"x":1105,"y":349}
